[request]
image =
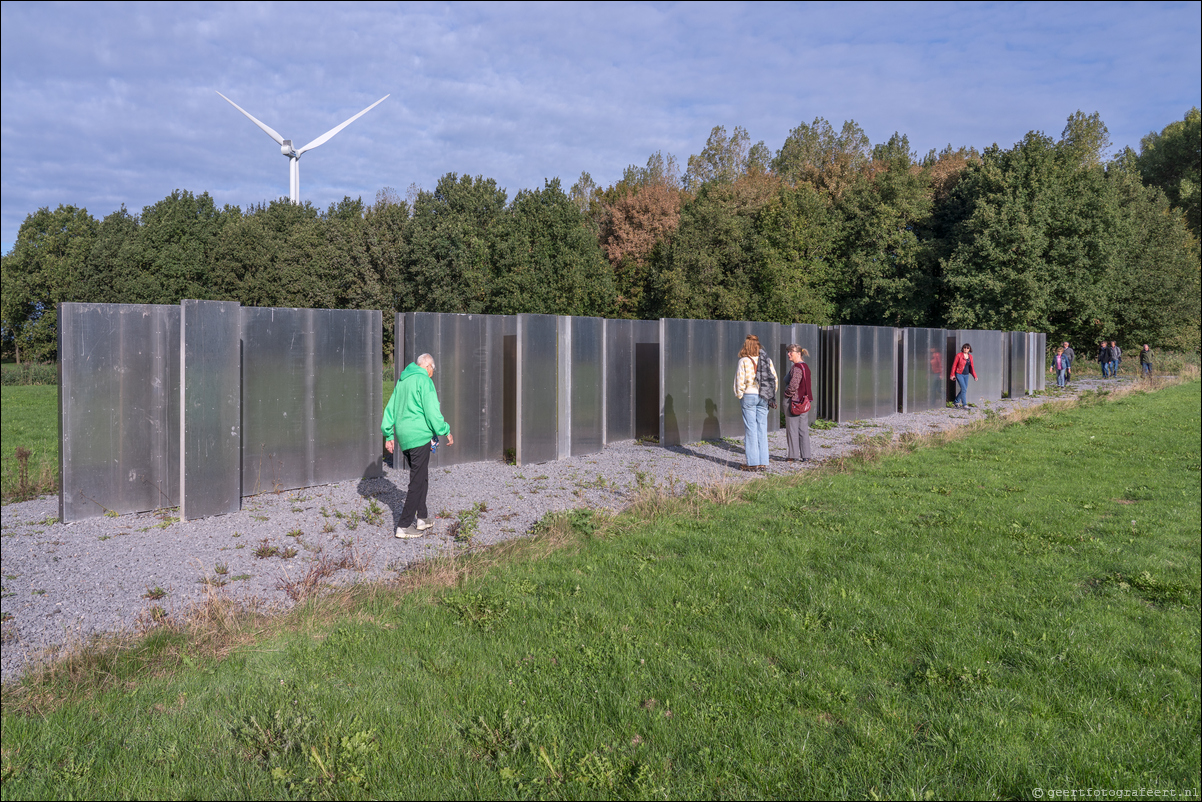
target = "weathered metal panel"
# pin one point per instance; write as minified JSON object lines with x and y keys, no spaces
{"x":537,"y":380}
{"x":860,"y":365}
{"x":211,"y":408}
{"x":1017,"y":365}
{"x":587,"y":376}
{"x":989,"y":351}
{"x":470,"y":370}
{"x":699,"y":360}
{"x":311,"y":394}
{"x":118,"y":408}
{"x":922,"y":373}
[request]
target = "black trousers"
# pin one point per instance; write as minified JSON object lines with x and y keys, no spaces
{"x":418,"y":461}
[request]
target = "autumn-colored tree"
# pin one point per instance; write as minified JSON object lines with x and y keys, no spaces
{"x":817,"y":155}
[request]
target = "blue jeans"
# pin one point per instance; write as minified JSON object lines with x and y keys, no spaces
{"x":962,"y":390}
{"x":1061,"y":379}
{"x":1105,"y":370}
{"x":755,"y":428}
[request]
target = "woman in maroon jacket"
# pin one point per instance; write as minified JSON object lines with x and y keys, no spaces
{"x":961,"y":369}
{"x":797,"y":427}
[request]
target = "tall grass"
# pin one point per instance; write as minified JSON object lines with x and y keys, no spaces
{"x":29,"y":429}
{"x":1011,"y":610}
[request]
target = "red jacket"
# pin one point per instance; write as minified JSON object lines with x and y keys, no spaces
{"x":958,"y":366}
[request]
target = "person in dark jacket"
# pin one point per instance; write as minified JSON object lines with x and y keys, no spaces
{"x":962,"y":368}
{"x":1145,"y":360}
{"x":797,"y":427}
{"x":1069,"y":356}
{"x":1104,"y":359}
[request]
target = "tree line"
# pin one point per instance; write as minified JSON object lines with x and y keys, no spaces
{"x":1047,"y":235}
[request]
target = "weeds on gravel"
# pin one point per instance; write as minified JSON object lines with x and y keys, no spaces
{"x":466,"y":522}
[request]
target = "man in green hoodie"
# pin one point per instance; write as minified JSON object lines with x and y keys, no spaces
{"x":413,"y":419}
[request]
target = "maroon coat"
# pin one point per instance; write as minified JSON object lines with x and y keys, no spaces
{"x":799,"y":383}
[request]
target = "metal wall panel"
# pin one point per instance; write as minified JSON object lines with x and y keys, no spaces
{"x":1016,"y":367}
{"x":859,"y":371}
{"x":631,"y":379}
{"x":587,"y":377}
{"x":698,"y":363}
{"x":1037,"y":360}
{"x":989,"y":352}
{"x":210,"y":408}
{"x":922,"y":371}
{"x":470,"y":377}
{"x":537,"y":379}
{"x":311,"y":396}
{"x":118,"y":408}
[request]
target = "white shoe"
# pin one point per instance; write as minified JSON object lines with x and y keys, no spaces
{"x":407,"y":532}
{"x":423,"y":525}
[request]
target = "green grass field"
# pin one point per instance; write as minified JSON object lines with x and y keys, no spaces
{"x":30,"y":420}
{"x":1012,"y":610}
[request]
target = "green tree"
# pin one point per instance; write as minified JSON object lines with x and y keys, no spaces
{"x":1172,"y":161}
{"x":547,"y":261}
{"x":44,"y":268}
{"x":448,"y":262}
{"x":724,"y":158}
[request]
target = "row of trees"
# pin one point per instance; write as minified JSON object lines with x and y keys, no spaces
{"x":1047,"y":235}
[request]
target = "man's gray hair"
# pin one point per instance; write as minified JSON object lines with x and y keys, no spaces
{"x":425,"y":361}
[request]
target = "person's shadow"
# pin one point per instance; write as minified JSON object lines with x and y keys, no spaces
{"x":385,"y":487}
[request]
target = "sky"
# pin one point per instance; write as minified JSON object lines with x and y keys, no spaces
{"x":105,"y":105}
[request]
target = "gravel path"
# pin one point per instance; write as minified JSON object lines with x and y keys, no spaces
{"x":66,"y":582}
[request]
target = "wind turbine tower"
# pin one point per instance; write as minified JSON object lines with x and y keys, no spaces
{"x":294,"y":154}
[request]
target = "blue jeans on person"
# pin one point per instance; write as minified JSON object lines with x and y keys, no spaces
{"x":755,"y":428}
{"x":1061,"y":378}
{"x":962,"y":390}
{"x":1147,"y":368}
{"x":1114,"y":368}
{"x":1105,"y":370}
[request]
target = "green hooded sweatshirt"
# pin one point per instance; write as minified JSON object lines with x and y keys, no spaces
{"x":414,"y":410}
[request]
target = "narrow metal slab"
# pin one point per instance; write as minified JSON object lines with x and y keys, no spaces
{"x":210,"y":408}
{"x":118,"y":408}
{"x":922,"y":373}
{"x":587,"y":377}
{"x":538,"y":387}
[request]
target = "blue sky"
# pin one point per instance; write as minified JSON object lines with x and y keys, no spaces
{"x":111,"y":104}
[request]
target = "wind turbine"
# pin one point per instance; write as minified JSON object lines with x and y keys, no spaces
{"x":294,"y":154}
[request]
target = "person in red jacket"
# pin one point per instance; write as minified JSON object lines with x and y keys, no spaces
{"x":962,"y":368}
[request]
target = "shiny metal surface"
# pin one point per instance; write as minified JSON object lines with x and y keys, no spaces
{"x":537,"y":386}
{"x":311,"y":397}
{"x":469,"y":356}
{"x":211,"y":408}
{"x":1039,"y":359}
{"x":922,"y":371}
{"x":118,"y":408}
{"x":859,"y":369}
{"x":587,"y":377}
{"x":699,"y":359}
{"x":1016,"y":366}
{"x":619,"y":380}
{"x":989,"y":352}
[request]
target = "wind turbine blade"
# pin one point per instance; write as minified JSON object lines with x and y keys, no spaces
{"x":271,"y":132}
{"x":321,"y":140}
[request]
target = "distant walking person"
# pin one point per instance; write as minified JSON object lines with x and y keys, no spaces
{"x":798,"y":395}
{"x":413,"y":419}
{"x":1104,"y":359}
{"x":755,"y":387}
{"x":1145,"y":360}
{"x":962,"y":368}
{"x":1060,"y":365}
{"x":1069,"y":356}
{"x":1116,"y":356}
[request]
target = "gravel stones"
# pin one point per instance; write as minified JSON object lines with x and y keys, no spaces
{"x":64,"y":583}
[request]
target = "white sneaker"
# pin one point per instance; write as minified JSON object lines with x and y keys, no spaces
{"x":407,"y":531}
{"x":423,"y":525}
